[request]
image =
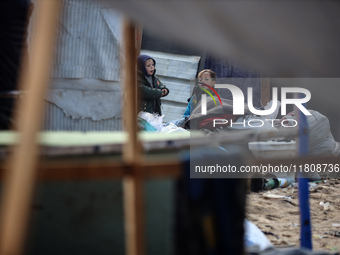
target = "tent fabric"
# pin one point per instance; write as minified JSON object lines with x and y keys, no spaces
{"x":321,"y":140}
{"x":240,"y":76}
{"x":279,"y":38}
{"x":225,"y":68}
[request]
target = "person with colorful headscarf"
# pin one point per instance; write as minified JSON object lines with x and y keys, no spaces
{"x":205,"y":77}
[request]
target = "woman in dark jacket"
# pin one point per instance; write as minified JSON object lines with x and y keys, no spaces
{"x":150,"y":86}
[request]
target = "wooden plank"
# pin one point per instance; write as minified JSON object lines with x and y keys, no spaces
{"x":70,"y":170}
{"x":133,"y":188}
{"x":132,"y":183}
{"x":131,"y":149}
{"x":139,"y":38}
{"x":101,"y":169}
{"x":19,"y":181}
{"x":92,"y":169}
{"x":265,"y":90}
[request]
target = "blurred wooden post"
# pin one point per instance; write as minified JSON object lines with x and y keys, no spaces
{"x":139,"y":37}
{"x":132,"y":183}
{"x":20,"y":177}
{"x":265,"y":90}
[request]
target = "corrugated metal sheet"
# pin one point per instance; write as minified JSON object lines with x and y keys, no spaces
{"x":85,"y":75}
{"x":56,"y":119}
{"x":88,"y":42}
{"x":175,"y":72}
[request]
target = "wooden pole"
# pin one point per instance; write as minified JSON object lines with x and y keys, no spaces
{"x":19,"y":180}
{"x":133,"y":182}
{"x":265,"y":90}
{"x":132,"y":149}
{"x":139,"y":38}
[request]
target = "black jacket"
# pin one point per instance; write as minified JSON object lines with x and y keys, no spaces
{"x":150,"y":94}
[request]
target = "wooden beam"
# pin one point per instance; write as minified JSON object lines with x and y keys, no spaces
{"x":79,"y":170}
{"x":19,"y":181}
{"x":132,"y":149}
{"x":265,"y":90}
{"x":139,"y":38}
{"x":132,"y":183}
{"x":96,"y":170}
{"x":133,"y":188}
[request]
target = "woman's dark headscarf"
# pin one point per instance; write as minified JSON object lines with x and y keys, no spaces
{"x":141,"y":64}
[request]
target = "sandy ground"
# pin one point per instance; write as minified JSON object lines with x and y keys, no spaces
{"x":279,"y":218}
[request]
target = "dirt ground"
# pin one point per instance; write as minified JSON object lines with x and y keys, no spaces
{"x":279,"y":218}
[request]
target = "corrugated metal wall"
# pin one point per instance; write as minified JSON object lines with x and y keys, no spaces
{"x":56,"y":119}
{"x":175,"y":72}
